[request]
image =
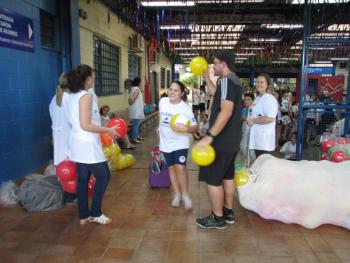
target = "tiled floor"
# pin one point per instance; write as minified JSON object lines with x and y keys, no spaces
{"x":146,"y":229}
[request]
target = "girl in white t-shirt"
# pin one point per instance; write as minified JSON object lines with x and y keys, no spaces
{"x":263,"y":118}
{"x":85,"y":147}
{"x":60,"y":125}
{"x":174,"y":144}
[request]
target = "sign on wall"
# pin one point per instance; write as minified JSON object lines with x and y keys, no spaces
{"x":16,"y":31}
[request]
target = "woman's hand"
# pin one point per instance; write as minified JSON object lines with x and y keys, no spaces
{"x":113,"y":131}
{"x":250,"y":122}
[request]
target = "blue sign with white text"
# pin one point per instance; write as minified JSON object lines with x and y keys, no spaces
{"x":16,"y":31}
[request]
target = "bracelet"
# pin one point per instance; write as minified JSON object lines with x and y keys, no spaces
{"x":210,"y":135}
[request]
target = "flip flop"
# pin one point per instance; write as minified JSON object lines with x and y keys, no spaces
{"x":140,"y":138}
{"x":101,"y":220}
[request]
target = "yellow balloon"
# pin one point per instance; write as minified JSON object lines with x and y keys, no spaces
{"x":179,"y":118}
{"x":130,"y":160}
{"x":115,"y":150}
{"x":198,"y":66}
{"x":203,"y":156}
{"x":108,"y":151}
{"x":241,"y":178}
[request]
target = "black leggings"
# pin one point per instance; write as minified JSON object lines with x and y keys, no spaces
{"x":260,"y":152}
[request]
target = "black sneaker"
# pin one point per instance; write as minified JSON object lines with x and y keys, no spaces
{"x":229,"y":216}
{"x":211,"y":222}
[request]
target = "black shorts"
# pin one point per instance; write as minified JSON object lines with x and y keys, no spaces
{"x":176,"y":157}
{"x":223,"y":168}
{"x":202,"y":107}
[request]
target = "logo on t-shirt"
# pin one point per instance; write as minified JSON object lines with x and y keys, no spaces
{"x":182,"y":159}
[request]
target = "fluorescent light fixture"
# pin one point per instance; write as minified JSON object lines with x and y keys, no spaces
{"x":172,"y":27}
{"x":264,"y":39}
{"x":188,"y":54}
{"x":339,"y":27}
{"x":253,"y":48}
{"x":297,"y":2}
{"x":322,"y":48}
{"x":166,"y":3}
{"x":339,"y":59}
{"x":295,"y":47}
{"x":321,"y":65}
{"x":322,"y":62}
{"x":244,"y":54}
{"x":290,"y":59}
{"x":213,"y":42}
{"x":227,"y":1}
{"x":180,"y":40}
{"x":284,"y":26}
{"x":204,"y":47}
{"x":222,"y":36}
{"x":279,"y":62}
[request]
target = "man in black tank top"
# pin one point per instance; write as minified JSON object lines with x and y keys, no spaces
{"x":224,"y":135}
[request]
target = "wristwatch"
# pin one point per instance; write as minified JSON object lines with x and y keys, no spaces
{"x":210,"y":135}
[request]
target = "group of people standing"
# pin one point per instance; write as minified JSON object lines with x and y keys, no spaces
{"x":75,"y":104}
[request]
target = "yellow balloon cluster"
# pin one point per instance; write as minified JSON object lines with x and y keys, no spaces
{"x":124,"y":161}
{"x":241,"y":177}
{"x":118,"y":160}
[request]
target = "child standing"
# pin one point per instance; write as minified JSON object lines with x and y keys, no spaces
{"x":248,"y":102}
{"x":203,"y":127}
{"x":174,"y":144}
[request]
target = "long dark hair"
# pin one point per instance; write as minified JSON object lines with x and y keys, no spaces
{"x":77,"y":77}
{"x":182,"y":88}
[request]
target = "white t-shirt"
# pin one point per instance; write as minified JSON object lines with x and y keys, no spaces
{"x":84,"y":146}
{"x":288,"y":147}
{"x":136,"y":110}
{"x":285,"y":105}
{"x":60,"y":129}
{"x":202,"y":98}
{"x":262,"y":136}
{"x":169,"y":140}
{"x":195,"y":97}
{"x":105,"y":120}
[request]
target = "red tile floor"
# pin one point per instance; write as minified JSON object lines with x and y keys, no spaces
{"x":146,"y":228}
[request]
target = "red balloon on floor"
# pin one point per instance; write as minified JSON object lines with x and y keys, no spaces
{"x":339,"y":156}
{"x":66,"y":171}
{"x":70,"y":186}
{"x":327,"y":144}
{"x":122,"y":127}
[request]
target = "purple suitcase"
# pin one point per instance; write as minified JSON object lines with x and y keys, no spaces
{"x":159,"y":179}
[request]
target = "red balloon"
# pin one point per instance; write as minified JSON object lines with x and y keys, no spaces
{"x":66,"y":171}
{"x":339,"y":156}
{"x":91,"y":185}
{"x":343,"y":141}
{"x":324,"y":156}
{"x":327,"y":144}
{"x":122,"y":129}
{"x":70,"y":186}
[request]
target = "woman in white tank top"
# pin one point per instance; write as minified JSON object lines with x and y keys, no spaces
{"x":84,"y":144}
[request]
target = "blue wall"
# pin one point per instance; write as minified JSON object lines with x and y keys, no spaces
{"x":27,"y":82}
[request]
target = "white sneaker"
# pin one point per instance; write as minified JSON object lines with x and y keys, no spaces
{"x":176,"y":200}
{"x":187,"y":201}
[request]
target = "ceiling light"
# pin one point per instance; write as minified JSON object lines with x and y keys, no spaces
{"x":322,"y":62}
{"x":253,"y":48}
{"x":339,"y":59}
{"x":244,"y":54}
{"x":180,"y":40}
{"x":322,"y":48}
{"x":339,"y":27}
{"x":278,"y":62}
{"x":285,"y":26}
{"x":291,"y":59}
{"x":327,"y":65}
{"x":167,"y":3}
{"x":265,"y":39}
